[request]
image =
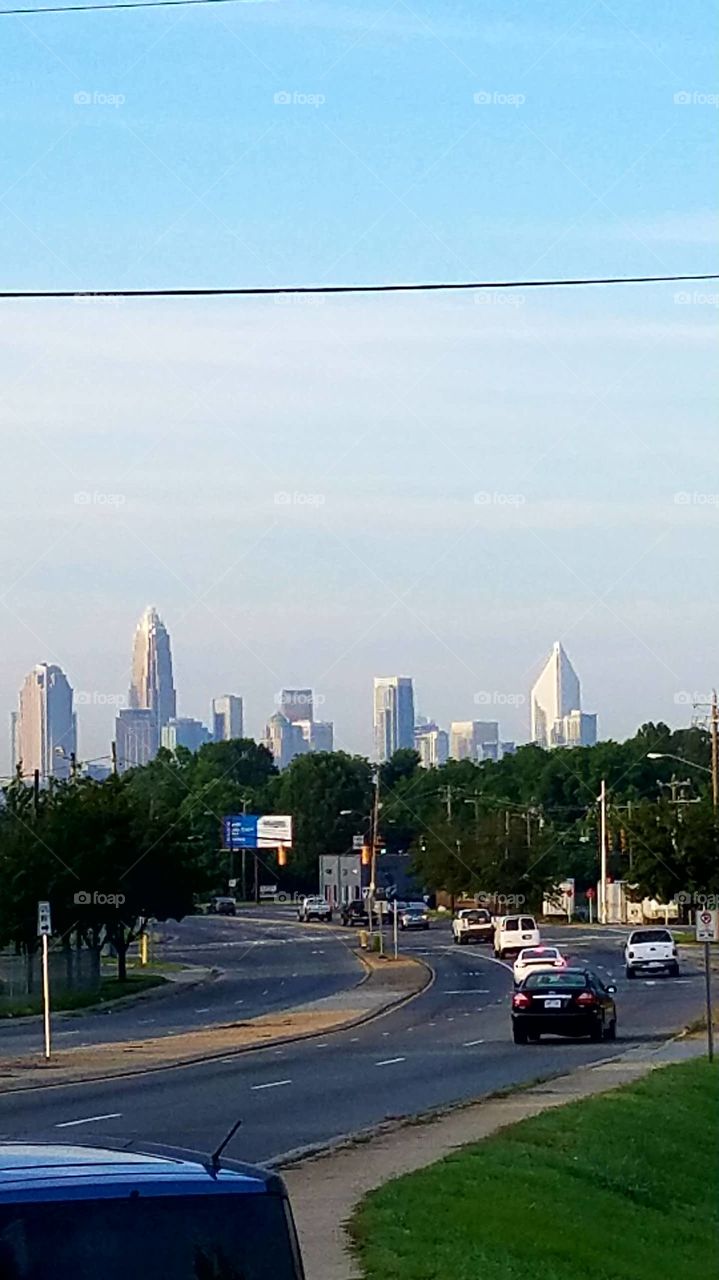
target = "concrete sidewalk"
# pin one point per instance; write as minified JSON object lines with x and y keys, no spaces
{"x":326,"y":1188}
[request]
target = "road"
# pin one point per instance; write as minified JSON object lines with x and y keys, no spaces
{"x":265,"y":968}
{"x":449,"y":1044}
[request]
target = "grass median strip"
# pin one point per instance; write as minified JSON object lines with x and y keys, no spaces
{"x":110,"y":989}
{"x":618,"y":1185}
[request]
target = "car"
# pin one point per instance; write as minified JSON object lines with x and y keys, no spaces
{"x":75,"y":1212}
{"x":513,"y":933}
{"x":651,"y":951}
{"x":535,"y":959}
{"x":314,"y":908}
{"x":413,"y":917}
{"x":355,"y":912}
{"x":223,"y":906}
{"x":473,"y":924}
{"x":567,"y":1002}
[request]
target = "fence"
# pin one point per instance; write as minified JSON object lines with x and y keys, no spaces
{"x":71,"y":969}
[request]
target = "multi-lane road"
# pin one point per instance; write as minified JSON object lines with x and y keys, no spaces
{"x":449,"y":1044}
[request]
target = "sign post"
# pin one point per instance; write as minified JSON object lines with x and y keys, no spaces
{"x":707,"y":926}
{"x":44,"y":929}
{"x":396,"y":943}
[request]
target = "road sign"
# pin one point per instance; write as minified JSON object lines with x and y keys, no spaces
{"x":358,"y":842}
{"x":268,"y":890}
{"x":591,"y":893}
{"x":44,"y":922}
{"x":707,"y":926}
{"x":252,"y":831}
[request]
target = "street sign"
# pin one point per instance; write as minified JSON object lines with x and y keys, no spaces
{"x":707,"y":926}
{"x":358,"y":842}
{"x":254,"y":831}
{"x":44,"y":922}
{"x":591,"y":893}
{"x":268,"y":890}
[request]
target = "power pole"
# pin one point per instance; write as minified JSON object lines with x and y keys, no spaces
{"x":603,"y":853}
{"x":715,"y":749}
{"x":113,"y":753}
{"x":36,"y":790}
{"x":446,"y":793}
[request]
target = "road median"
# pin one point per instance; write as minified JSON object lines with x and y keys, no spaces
{"x":388,"y":984}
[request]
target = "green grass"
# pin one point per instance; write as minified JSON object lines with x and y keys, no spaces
{"x":110,"y":989}
{"x":619,"y":1186}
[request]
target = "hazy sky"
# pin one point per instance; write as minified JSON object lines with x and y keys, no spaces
{"x":315,"y":492}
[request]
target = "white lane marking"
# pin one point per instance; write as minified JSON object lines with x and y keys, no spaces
{"x":354,"y":1040}
{"x":142,"y":1022}
{"x":206,"y":1010}
{"x":467,"y":991}
{"x":469,"y":1044}
{"x":68,"y":1124}
{"x":389,"y":1062}
{"x":385,"y":1033}
{"x":239,"y":1002}
{"x":324,"y":1045}
{"x":271,"y":1084}
{"x":67,"y":1033}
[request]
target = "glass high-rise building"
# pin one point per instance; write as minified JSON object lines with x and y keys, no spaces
{"x":151,"y":684}
{"x":227,"y":718}
{"x":556,"y":701}
{"x":393,"y":715}
{"x":45,"y":731}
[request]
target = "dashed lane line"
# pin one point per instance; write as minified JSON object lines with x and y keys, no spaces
{"x":69,"y":1124}
{"x":389,"y":1062}
{"x":271,"y":1084}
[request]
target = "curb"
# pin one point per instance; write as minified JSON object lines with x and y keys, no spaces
{"x":359,"y":1021}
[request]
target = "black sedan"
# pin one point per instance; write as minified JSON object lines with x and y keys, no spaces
{"x":567,"y":1002}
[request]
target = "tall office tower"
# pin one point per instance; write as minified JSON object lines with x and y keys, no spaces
{"x":284,"y":740}
{"x":432,"y":743}
{"x":393,"y":715}
{"x":183,"y":731}
{"x":46,"y":728}
{"x":13,"y":739}
{"x":474,"y":740}
{"x":318,"y":734}
{"x":135,"y":737}
{"x":556,"y":719}
{"x":151,"y":685}
{"x":296,"y":704}
{"x":227,"y":718}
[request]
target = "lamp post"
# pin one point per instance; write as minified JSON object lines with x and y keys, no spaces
{"x":692,"y":764}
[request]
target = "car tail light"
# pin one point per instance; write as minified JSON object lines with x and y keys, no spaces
{"x":520,"y":1000}
{"x":586,"y":998}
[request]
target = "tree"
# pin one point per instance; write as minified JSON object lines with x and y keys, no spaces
{"x":315,"y":789}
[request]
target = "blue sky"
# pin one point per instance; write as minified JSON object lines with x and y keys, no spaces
{"x":282,"y":142}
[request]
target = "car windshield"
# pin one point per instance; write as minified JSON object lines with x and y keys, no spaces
{"x":650,"y":935}
{"x":209,"y":1237}
{"x":536,"y":956}
{"x":477,"y":917}
{"x":558,"y":980}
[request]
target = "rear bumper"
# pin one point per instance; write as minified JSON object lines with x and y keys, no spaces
{"x":573,"y":1024}
{"x":655,"y":965}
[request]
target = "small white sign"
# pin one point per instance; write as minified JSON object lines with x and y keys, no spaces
{"x":707,"y":923}
{"x":44,"y":922}
{"x":358,"y":842}
{"x":274,"y":829}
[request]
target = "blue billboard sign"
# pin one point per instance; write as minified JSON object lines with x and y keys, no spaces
{"x":255,"y":831}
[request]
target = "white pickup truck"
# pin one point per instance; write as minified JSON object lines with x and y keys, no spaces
{"x":651,"y":951}
{"x":472,"y":925}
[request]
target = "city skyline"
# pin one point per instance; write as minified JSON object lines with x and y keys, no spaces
{"x":556,"y":715}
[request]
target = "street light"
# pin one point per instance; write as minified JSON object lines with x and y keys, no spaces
{"x":668,"y":755}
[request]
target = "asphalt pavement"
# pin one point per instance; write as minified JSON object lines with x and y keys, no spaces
{"x":449,"y":1044}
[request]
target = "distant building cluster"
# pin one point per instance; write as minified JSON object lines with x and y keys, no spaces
{"x":44,"y":727}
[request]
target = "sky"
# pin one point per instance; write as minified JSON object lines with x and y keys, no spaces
{"x":314,"y":491}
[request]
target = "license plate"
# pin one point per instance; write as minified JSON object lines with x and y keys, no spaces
{"x":552,"y":1004}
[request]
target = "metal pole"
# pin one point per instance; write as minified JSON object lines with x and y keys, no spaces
{"x":603,"y":837}
{"x":46,"y":993}
{"x":113,"y":753}
{"x":708,"y":984}
{"x":374,"y":824}
{"x":715,"y":749}
{"x":257,"y":879}
{"x":396,"y":941}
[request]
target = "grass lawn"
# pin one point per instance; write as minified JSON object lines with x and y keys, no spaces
{"x":110,"y":989}
{"x":625,"y":1185}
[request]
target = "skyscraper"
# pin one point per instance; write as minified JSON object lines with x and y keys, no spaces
{"x":45,"y":728}
{"x":318,"y":734}
{"x":556,"y":716}
{"x":432,"y":744}
{"x":183,"y":731}
{"x":284,"y":740}
{"x":227,"y":718}
{"x":296,"y":704}
{"x":135,"y":737}
{"x":151,"y":684}
{"x":393,"y":715}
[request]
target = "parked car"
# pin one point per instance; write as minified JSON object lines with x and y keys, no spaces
{"x":413,"y":917}
{"x":535,"y":959}
{"x":78,"y":1212}
{"x":512,"y":933}
{"x":651,"y":951}
{"x":314,"y":908}
{"x":223,"y":907}
{"x":355,"y":912}
{"x":570,"y":1002}
{"x":472,"y":925}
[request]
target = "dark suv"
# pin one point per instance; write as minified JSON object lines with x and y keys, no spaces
{"x":76,"y":1213}
{"x":355,"y":913}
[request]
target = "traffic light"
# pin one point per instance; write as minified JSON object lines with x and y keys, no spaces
{"x":281,"y":856}
{"x":366,"y":855}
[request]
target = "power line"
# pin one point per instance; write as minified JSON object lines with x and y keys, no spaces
{"x":426,"y":287}
{"x":123,"y":4}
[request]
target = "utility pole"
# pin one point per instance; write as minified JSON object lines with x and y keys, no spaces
{"x":113,"y":754}
{"x":36,"y":790}
{"x":603,"y":853}
{"x":446,"y":793}
{"x":374,"y":833}
{"x":715,"y":749}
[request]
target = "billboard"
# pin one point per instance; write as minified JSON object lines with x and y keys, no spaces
{"x":252,"y":831}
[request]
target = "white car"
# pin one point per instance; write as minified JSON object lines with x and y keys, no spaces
{"x":314,"y":908}
{"x":651,"y":951}
{"x":513,"y":933}
{"x":537,"y":960}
